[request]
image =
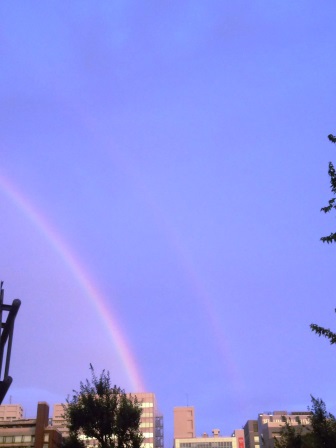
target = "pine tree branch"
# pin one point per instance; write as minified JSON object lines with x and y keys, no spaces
{"x":326,"y":332}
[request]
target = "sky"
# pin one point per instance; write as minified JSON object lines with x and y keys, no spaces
{"x":163,"y":166}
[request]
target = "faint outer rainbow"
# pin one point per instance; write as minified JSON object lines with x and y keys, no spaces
{"x":82,"y":277}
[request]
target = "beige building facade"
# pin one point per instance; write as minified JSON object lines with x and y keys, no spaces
{"x":9,"y":412}
{"x":270,"y":424}
{"x":30,"y":433}
{"x":207,"y":442}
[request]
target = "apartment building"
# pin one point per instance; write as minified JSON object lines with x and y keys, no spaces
{"x":29,"y":433}
{"x":9,"y":412}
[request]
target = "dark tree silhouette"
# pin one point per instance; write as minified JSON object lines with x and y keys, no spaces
{"x":331,"y":204}
{"x":321,"y":331}
{"x":323,"y":432}
{"x":105,"y":413}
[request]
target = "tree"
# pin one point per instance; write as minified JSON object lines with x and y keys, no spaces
{"x":323,"y":425}
{"x":331,"y":204}
{"x":105,"y":413}
{"x":321,"y":331}
{"x":72,"y":442}
{"x":326,"y":332}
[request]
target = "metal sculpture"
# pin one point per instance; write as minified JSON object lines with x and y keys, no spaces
{"x":6,"y":339}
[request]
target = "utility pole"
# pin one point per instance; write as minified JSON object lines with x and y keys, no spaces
{"x":6,"y":339}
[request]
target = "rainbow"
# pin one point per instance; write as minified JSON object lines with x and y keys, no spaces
{"x":81,"y":275}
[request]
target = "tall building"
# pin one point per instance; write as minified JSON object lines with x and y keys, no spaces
{"x":30,"y":433}
{"x":58,"y":420}
{"x":151,"y":422}
{"x":251,"y":434}
{"x":184,"y":422}
{"x":10,"y":412}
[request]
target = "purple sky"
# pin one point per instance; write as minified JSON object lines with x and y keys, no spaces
{"x":179,"y":150}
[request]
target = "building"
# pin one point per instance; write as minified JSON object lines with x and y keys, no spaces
{"x":240,"y":439}
{"x":184,"y":433}
{"x":151,"y":422}
{"x":216,"y":441}
{"x":58,"y":420}
{"x":251,"y":434}
{"x":30,"y":433}
{"x":270,"y":424}
{"x":10,"y":412}
{"x":184,"y":422}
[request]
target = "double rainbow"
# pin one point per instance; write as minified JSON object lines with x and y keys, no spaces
{"x":77,"y":269}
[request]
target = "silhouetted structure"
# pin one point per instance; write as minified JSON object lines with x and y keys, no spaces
{"x":6,"y":338}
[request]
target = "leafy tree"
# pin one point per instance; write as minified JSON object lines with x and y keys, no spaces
{"x":105,"y":413}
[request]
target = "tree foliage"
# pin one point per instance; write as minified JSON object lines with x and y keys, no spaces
{"x":72,"y":442}
{"x":323,"y":425}
{"x":332,"y":202}
{"x":105,"y":413}
{"x":321,"y":331}
{"x":326,"y":332}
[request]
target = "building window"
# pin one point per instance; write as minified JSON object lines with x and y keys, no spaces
{"x":147,"y":434}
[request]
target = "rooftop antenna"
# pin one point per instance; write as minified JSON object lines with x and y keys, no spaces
{"x":187,"y":399}
{"x":6,"y":339}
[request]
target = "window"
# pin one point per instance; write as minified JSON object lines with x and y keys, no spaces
{"x":147,"y":434}
{"x":146,"y":425}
